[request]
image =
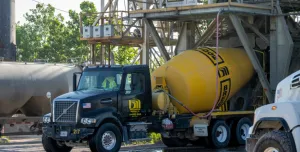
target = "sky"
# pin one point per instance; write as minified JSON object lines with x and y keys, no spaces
{"x":23,"y":6}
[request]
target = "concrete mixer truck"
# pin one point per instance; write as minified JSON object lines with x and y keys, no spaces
{"x":187,"y":100}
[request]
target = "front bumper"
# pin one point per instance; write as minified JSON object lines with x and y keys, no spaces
{"x":73,"y":133}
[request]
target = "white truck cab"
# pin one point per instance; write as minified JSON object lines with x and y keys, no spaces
{"x":276,"y":127}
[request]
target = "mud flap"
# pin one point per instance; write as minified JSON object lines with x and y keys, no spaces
{"x":250,"y":144}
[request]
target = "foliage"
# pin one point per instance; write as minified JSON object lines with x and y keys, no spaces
{"x":90,"y":9}
{"x":4,"y":140}
{"x":80,"y":48}
{"x":124,"y":54}
{"x":155,"y":137}
{"x":46,"y":35}
{"x":42,"y":35}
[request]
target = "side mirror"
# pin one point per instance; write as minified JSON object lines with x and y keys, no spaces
{"x":48,"y":95}
{"x":75,"y":80}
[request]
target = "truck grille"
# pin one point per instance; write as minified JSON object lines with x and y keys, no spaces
{"x":65,"y":111}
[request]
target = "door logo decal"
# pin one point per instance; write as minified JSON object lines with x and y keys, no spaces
{"x":134,"y":107}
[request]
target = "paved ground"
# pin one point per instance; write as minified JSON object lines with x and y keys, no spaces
{"x":33,"y":144}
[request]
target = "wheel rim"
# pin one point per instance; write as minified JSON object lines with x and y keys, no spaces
{"x":221,"y":134}
{"x":108,"y":140}
{"x":244,"y":131}
{"x":271,"y":149}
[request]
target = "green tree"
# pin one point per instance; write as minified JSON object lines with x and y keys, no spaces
{"x":46,"y":36}
{"x":42,"y":36}
{"x":90,"y":10}
{"x":124,"y":54}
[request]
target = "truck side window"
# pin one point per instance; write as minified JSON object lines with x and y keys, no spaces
{"x":127,"y":84}
{"x":134,"y":83}
{"x":89,"y":82}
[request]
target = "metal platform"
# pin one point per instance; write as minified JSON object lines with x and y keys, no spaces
{"x":115,"y":40}
{"x":125,"y":41}
{"x":200,"y":11}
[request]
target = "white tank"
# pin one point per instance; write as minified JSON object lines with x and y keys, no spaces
{"x":24,"y":86}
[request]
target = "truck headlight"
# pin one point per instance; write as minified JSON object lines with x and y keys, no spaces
{"x":88,"y":121}
{"x":46,"y":119}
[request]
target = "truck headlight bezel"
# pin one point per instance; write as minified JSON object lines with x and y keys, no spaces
{"x":46,"y":119}
{"x":88,"y":121}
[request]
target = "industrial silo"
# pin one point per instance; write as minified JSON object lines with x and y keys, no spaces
{"x":7,"y":30}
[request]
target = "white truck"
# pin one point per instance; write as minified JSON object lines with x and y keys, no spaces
{"x":276,"y":127}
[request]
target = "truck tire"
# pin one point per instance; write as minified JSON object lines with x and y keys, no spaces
{"x":174,"y":142}
{"x":92,"y":144}
{"x":240,"y":131}
{"x":275,"y":141}
{"x":108,"y":138}
{"x":50,"y":145}
{"x":218,"y":135}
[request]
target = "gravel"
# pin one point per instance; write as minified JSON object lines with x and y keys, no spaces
{"x":33,"y":144}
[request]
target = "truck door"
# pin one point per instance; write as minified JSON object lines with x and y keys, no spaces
{"x":131,"y":105}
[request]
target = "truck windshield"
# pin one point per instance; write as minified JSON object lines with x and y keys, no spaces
{"x":100,"y":80}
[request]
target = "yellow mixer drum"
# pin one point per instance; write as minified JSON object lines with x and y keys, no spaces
{"x":191,"y":77}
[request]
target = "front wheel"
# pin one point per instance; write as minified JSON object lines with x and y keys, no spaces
{"x":275,"y":141}
{"x":107,"y":139}
{"x":51,"y":145}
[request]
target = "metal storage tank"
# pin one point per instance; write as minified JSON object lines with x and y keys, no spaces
{"x":7,"y":30}
{"x":191,"y":77}
{"x":24,"y":86}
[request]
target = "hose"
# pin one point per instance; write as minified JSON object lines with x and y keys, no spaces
{"x":217,"y":68}
{"x":179,"y":102}
{"x":217,"y":78}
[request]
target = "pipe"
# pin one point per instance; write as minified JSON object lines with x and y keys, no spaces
{"x":112,"y":58}
{"x":109,"y":53}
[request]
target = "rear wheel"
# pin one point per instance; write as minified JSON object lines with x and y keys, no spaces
{"x":240,"y":131}
{"x":107,"y":139}
{"x":219,"y":135}
{"x":275,"y":141}
{"x":174,"y":142}
{"x":51,"y":145}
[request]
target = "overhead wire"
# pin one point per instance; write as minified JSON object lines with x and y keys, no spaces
{"x":52,"y":6}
